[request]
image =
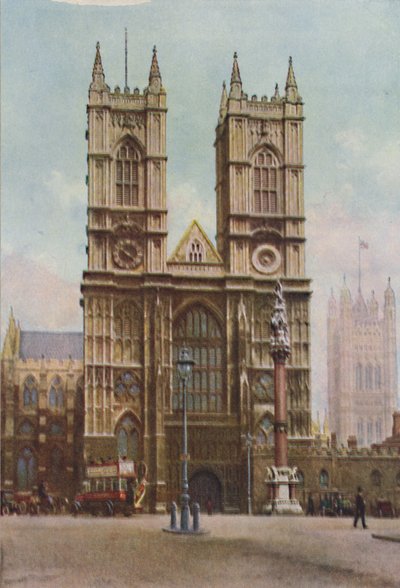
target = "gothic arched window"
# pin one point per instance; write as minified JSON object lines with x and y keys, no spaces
{"x":56,"y":394}
{"x":126,"y":385}
{"x":128,"y":439}
{"x":127,"y":334}
{"x":376,"y":478}
{"x":127,"y":175}
{"x":195,"y":252}
{"x":30,"y":392}
{"x":199,"y":331}
{"x":26,"y":469}
{"x":56,"y":428}
{"x":323,"y":479}
{"x":26,"y":428}
{"x":265,"y":432}
{"x":265,"y":183}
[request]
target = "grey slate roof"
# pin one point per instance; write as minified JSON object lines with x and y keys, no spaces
{"x":35,"y":344}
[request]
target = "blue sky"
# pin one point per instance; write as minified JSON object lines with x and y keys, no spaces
{"x":346,"y":60}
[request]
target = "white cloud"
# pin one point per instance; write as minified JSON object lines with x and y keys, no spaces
{"x":186,"y":204}
{"x":353,"y":141}
{"x":109,"y":3}
{"x":39,"y":297}
{"x":63,"y":192}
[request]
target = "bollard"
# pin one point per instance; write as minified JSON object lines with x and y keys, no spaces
{"x":173,"y":515}
{"x":196,"y":516}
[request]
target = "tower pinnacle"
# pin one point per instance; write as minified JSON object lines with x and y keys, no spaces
{"x":292,"y":94}
{"x":236,"y":82}
{"x":154,"y":76}
{"x":223,"y":104}
{"x":98,"y":79}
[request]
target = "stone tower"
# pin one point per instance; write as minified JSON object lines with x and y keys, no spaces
{"x":362,"y":366}
{"x":126,"y":251}
{"x":260,"y":230}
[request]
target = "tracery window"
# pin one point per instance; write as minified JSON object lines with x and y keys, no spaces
{"x":195,"y":252}
{"x":126,"y":385}
{"x":323,"y":479}
{"x":56,"y":394}
{"x":262,"y":320}
{"x":265,"y":432}
{"x":26,"y":428}
{"x":127,"y":175}
{"x":127,"y":333}
{"x":128,"y":438}
{"x":26,"y":469}
{"x":30,"y":393}
{"x":265,"y":182}
{"x":199,"y":331}
{"x":56,"y":429}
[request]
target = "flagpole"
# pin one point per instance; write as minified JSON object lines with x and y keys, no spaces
{"x":359,"y":264}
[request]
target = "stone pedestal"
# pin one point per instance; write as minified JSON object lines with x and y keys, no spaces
{"x":281,"y":483}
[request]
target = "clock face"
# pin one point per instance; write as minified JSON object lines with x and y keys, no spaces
{"x":127,"y":253}
{"x":264,"y":388}
{"x":266,"y":259}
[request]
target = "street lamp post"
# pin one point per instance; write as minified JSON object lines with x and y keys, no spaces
{"x":248,"y":440}
{"x":184,"y":366}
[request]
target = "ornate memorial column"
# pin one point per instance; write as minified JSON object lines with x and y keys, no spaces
{"x":281,"y":479}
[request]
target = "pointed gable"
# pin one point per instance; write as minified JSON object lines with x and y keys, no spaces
{"x":195,"y":247}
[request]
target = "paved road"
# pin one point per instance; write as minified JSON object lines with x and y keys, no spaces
{"x":239,"y":551}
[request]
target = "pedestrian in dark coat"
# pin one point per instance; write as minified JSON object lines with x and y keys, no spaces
{"x":360,"y":508}
{"x":310,"y":506}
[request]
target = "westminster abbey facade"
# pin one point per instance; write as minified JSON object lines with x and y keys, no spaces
{"x":69,"y":399}
{"x":141,"y":306}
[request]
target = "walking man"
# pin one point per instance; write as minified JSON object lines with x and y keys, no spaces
{"x":360,"y":509}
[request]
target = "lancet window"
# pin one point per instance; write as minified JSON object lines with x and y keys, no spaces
{"x":56,"y":394}
{"x":265,"y":183}
{"x":128,"y":439}
{"x":30,"y":393}
{"x":127,"y":334}
{"x":200,"y":332}
{"x":265,"y":432}
{"x":127,"y":175}
{"x":26,"y":469}
{"x":195,"y":252}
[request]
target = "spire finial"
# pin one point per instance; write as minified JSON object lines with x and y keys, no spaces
{"x":98,"y":79}
{"x":154,"y":76}
{"x":236,"y":82}
{"x":223,"y":107}
{"x":292,"y":94}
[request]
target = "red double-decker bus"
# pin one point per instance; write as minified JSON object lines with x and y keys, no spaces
{"x":111,"y":488}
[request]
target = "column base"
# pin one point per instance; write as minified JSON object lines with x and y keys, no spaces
{"x":281,"y":482}
{"x":280,"y":506}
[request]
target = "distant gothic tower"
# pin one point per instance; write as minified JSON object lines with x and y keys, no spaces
{"x":362,"y":366}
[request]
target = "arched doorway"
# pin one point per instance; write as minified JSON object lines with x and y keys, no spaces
{"x":204,"y":485}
